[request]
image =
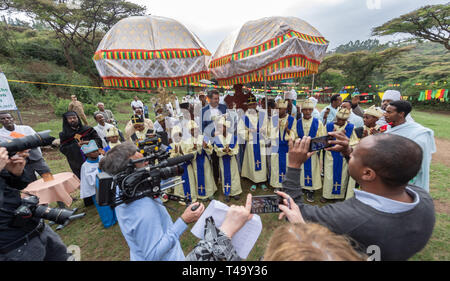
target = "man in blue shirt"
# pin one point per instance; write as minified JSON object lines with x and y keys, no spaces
{"x":145,"y":223}
{"x":329,"y":112}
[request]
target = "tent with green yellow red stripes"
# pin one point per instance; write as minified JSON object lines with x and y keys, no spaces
{"x":149,"y":52}
{"x":272,"y":47}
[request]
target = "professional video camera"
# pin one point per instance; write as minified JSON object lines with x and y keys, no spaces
{"x":134,"y":184}
{"x":28,"y":142}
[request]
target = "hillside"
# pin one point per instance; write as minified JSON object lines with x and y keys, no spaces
{"x":427,"y":62}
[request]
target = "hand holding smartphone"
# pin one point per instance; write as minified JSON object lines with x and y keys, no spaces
{"x":266,"y":204}
{"x":320,"y":143}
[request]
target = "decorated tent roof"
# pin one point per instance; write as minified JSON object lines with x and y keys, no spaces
{"x":151,"y":51}
{"x":278,"y":47}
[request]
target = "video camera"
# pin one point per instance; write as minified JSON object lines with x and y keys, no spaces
{"x":28,"y":142}
{"x":134,"y":184}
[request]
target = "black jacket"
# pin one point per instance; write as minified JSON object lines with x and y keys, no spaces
{"x":9,"y":201}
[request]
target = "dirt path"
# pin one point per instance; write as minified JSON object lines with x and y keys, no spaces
{"x":442,"y":154}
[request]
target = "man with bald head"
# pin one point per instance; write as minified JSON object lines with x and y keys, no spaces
{"x":387,"y":213}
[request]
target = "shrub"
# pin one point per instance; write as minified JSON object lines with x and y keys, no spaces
{"x":61,"y":106}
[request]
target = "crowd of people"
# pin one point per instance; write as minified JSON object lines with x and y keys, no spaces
{"x":267,"y":142}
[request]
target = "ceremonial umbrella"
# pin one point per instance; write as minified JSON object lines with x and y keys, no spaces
{"x":151,"y":51}
{"x":276,"y":47}
{"x":270,"y":48}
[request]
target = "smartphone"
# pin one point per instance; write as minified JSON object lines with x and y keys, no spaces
{"x":366,"y":97}
{"x":319,"y":143}
{"x":266,"y":204}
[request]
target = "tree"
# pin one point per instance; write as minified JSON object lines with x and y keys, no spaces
{"x":357,"y":67}
{"x":430,"y":22}
{"x":80,"y":26}
{"x":366,"y":45}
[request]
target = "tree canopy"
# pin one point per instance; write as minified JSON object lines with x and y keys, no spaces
{"x":80,"y":26}
{"x":429,"y":22}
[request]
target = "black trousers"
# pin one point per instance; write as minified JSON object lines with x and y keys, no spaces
{"x":47,"y":246}
{"x":215,"y":166}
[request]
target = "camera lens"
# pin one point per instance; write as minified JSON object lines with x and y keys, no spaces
{"x":172,"y":171}
{"x":60,"y":216}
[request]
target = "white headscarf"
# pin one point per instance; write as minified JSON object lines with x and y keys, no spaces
{"x":392,"y":95}
{"x":290,"y":95}
{"x":314,"y":100}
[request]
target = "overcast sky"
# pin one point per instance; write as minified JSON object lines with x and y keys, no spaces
{"x":339,"y":21}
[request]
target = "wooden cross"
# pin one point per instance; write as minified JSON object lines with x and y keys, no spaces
{"x":227,"y":186}
{"x":202,"y":188}
{"x":282,"y":176}
{"x":308,"y":179}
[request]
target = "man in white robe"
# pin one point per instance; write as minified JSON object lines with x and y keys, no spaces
{"x":388,"y":97}
{"x":310,"y":178}
{"x":254,"y":162}
{"x":336,"y":178}
{"x":396,"y":113}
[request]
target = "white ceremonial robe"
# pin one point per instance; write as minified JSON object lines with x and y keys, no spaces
{"x":313,"y":182}
{"x":89,"y":171}
{"x":249,"y":165}
{"x":209,"y":186}
{"x":328,"y":183}
{"x":180,"y":190}
{"x":274,"y":133}
{"x":424,"y":137}
{"x":235,"y":188}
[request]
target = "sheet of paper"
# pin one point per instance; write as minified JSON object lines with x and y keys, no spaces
{"x":243,"y":241}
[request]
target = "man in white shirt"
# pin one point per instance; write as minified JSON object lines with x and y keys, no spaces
{"x":291,"y":96}
{"x":10,"y":131}
{"x":136,"y":103}
{"x":354,"y":119}
{"x":102,"y":127}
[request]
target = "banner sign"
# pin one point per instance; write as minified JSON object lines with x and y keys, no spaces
{"x":6,"y":97}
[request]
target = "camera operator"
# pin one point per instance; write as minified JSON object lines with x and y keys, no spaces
{"x":387,"y":212}
{"x":145,"y":223}
{"x":33,"y":240}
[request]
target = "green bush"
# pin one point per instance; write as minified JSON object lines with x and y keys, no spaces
{"x":61,"y":106}
{"x":89,"y":109}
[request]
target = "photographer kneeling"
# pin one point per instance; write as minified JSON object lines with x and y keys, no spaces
{"x":387,"y":212}
{"x":23,"y":239}
{"x":145,"y":223}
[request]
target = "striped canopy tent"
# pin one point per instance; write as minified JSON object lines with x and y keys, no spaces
{"x":150,"y":52}
{"x":275,"y":47}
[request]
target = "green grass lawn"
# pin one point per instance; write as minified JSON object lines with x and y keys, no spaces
{"x":97,"y":243}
